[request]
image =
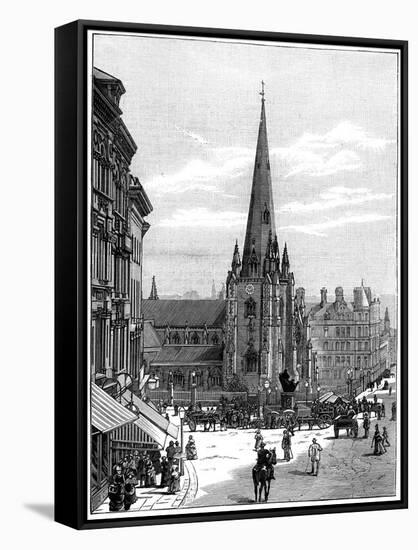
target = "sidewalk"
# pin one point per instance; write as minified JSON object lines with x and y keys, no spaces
{"x":157,"y":498}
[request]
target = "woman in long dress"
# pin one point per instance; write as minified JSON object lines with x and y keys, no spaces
{"x":287,"y":445}
{"x":191,"y":451}
{"x":174,"y":484}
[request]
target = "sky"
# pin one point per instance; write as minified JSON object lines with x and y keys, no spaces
{"x":193,"y":108}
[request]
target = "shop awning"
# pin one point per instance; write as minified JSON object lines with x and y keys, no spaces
{"x":106,"y":413}
{"x":151,"y":421}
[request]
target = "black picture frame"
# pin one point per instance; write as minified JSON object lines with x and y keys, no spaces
{"x":71,"y":263}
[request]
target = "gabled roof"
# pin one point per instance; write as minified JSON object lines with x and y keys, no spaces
{"x":151,"y":339}
{"x":188,"y":355}
{"x":181,"y":312}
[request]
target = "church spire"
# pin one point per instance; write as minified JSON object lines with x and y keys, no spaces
{"x":285,"y":262}
{"x":260,"y":222}
{"x":236,"y":260}
{"x":154,"y":294}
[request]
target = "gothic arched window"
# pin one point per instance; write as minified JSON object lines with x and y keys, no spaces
{"x":178,"y":379}
{"x":215,"y":339}
{"x":175,"y":338}
{"x":195,"y":338}
{"x":215,"y":378}
{"x":251,"y":359}
{"x":250,"y":307}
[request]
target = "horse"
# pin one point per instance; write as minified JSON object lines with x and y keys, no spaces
{"x":261,"y":480}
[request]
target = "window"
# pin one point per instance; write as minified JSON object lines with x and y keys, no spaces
{"x":195,"y":338}
{"x":342,"y":346}
{"x":343,"y":332}
{"x":215,"y":339}
{"x":215,"y":378}
{"x":348,"y":332}
{"x":250,"y":307}
{"x":366,"y":345}
{"x":359,"y":332}
{"x":358,"y":362}
{"x":251,"y":359}
{"x":343,"y":361}
{"x":359,"y":346}
{"x":175,"y":338}
{"x":330,"y":361}
{"x":348,"y":360}
{"x":178,"y":379}
{"x":337,"y":360}
{"x":326,"y":332}
{"x":366,"y":362}
{"x":337,"y":332}
{"x":337,"y":346}
{"x":326,"y":346}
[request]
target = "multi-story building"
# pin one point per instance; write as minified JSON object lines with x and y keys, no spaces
{"x":345,"y":340}
{"x":119,"y":206}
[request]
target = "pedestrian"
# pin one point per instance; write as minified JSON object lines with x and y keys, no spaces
{"x":165,"y":472}
{"x":258,"y":439}
{"x":366,"y":425}
{"x":170,"y":451}
{"x":377,"y":442}
{"x":130,"y":491}
{"x":393,"y":411}
{"x":174,"y":483}
{"x":383,"y":410}
{"x":314,"y":453}
{"x":167,"y":417}
{"x":118,"y":476}
{"x":385,"y":437}
{"x":191,"y":451}
{"x":287,"y":445}
{"x":141,"y":472}
{"x":150,"y":480}
{"x":176,"y":410}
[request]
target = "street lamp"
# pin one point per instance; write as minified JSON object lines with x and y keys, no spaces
{"x":171,"y":387}
{"x":318,"y":391}
{"x":350,"y":382}
{"x":182,"y":414}
{"x":306,"y":392}
{"x":193,"y":389}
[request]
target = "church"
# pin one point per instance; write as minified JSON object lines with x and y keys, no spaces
{"x":247,"y":338}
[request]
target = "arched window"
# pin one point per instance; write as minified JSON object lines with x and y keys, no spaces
{"x":250,"y":307}
{"x":359,"y":332}
{"x":366,"y":362}
{"x":178,"y":379}
{"x":347,"y":346}
{"x":198,"y":378}
{"x":358,"y":362}
{"x":175,"y":338}
{"x":337,"y":332}
{"x":337,"y":360}
{"x":215,"y":378}
{"x":326,"y":346}
{"x":348,"y":332}
{"x":329,"y":361}
{"x":195,"y":338}
{"x":337,"y":346}
{"x":215,"y":339}
{"x":251,"y":359}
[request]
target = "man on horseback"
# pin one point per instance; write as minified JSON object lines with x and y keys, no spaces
{"x":264,"y":460}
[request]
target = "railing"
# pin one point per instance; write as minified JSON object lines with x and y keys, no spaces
{"x":202,"y":396}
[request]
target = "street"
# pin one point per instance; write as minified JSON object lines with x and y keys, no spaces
{"x":348,"y":467}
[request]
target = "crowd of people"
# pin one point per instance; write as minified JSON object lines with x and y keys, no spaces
{"x":147,"y":469}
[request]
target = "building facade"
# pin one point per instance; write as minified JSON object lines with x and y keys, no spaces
{"x":118,"y":211}
{"x":345,"y":340}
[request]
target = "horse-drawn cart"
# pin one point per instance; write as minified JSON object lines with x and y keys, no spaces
{"x":207,"y":419}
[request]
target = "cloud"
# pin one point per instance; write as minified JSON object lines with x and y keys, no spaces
{"x":202,"y":175}
{"x":203,"y":217}
{"x":335,"y":197}
{"x":192,"y":135}
{"x":317,"y":229}
{"x":337,"y":150}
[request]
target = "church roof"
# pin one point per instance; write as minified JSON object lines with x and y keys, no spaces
{"x":260,"y":222}
{"x":181,"y":312}
{"x":188,"y":355}
{"x":151,"y":339}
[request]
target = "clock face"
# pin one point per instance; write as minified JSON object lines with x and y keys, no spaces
{"x":249,"y":289}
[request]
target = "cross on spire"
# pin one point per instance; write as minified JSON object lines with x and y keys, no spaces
{"x":262,"y":93}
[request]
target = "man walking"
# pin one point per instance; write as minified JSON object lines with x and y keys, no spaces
{"x":314,"y":453}
{"x":366,"y":424}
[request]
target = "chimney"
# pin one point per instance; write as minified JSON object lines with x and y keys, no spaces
{"x":323,"y":296}
{"x":339,"y":294}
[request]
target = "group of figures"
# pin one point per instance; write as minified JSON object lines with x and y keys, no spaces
{"x":142,"y":469}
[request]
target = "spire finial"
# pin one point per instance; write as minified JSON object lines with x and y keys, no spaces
{"x":154,"y":294}
{"x":262,"y":93}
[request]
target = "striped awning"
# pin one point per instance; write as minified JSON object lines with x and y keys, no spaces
{"x":106,"y":413}
{"x":151,"y":421}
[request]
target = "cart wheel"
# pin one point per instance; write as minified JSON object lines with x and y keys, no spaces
{"x":192,"y":425}
{"x":324,"y":421}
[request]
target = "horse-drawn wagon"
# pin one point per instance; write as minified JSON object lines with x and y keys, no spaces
{"x":207,"y":419}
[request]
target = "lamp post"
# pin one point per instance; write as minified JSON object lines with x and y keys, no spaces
{"x":350,"y":382}
{"x":306,"y":392}
{"x":182,"y":414}
{"x":171,"y":387}
{"x":193,"y":390}
{"x":318,"y":391}
{"x":260,"y":406}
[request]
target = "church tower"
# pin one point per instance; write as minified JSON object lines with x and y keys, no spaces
{"x":259,"y":332}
